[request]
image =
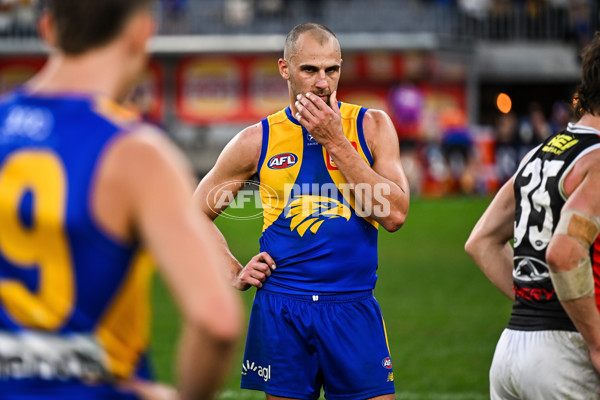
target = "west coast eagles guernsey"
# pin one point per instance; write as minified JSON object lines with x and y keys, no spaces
{"x":540,"y":197}
{"x":312,"y":227}
{"x":74,"y":302}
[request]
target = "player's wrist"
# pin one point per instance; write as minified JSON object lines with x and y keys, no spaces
{"x":240,"y":285}
{"x":337,"y":146}
{"x":592,"y":339}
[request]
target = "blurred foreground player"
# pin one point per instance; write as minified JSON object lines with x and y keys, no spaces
{"x":551,"y":207}
{"x":330,"y":173}
{"x":83,"y":185}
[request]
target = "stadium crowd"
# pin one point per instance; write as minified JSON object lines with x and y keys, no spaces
{"x":17,"y":17}
{"x":490,"y":19}
{"x":457,"y":158}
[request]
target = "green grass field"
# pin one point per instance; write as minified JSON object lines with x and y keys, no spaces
{"x":443,"y":317}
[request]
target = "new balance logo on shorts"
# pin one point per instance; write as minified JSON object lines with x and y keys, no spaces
{"x":263,"y":372}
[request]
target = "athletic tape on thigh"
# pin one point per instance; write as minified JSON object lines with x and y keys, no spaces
{"x":579,"y":226}
{"x":576,"y":283}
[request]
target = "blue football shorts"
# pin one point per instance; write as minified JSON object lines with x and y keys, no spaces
{"x":299,"y":343}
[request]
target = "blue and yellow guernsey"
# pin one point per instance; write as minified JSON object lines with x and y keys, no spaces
{"x":74,"y":302}
{"x":312,"y":227}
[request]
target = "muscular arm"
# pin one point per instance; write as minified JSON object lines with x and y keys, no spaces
{"x":564,"y":252}
{"x":488,"y":243}
{"x":236,"y":164}
{"x":155,"y":200}
{"x":387,"y":196}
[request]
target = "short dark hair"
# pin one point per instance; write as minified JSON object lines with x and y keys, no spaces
{"x":86,"y":24}
{"x":587,"y":96}
{"x":321,"y":31}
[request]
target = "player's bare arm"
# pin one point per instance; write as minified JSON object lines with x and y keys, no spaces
{"x":155,"y":203}
{"x":236,"y":164}
{"x":489,"y":244}
{"x":568,"y":253}
{"x":325,"y":125}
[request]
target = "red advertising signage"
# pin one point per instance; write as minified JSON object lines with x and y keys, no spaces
{"x":16,"y":71}
{"x":229,"y":89}
{"x":147,"y":98}
{"x":245,"y":89}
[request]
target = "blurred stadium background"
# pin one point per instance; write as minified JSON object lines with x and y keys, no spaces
{"x":471,"y":85}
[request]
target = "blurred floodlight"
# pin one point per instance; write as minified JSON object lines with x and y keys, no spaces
{"x":504,"y":103}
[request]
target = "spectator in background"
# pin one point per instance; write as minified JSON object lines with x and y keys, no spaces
{"x":174,"y":6}
{"x":475,"y":13}
{"x":413,"y":165}
{"x":457,"y":146}
{"x":507,"y":152}
{"x":25,"y":18}
{"x":475,"y":8}
{"x":7,"y":8}
{"x":406,"y":106}
{"x":580,"y":22}
{"x":407,"y":103}
{"x":238,"y":12}
{"x":174,"y":12}
{"x":561,"y":115}
{"x":534,"y":128}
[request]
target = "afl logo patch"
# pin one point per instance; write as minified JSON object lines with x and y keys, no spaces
{"x":281,"y":161}
{"x":387,"y":363}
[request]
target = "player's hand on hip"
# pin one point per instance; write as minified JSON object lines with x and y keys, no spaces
{"x":324,"y":123}
{"x":147,"y":390}
{"x":255,"y":272}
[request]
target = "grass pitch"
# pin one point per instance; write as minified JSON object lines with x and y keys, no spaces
{"x":443,"y":317}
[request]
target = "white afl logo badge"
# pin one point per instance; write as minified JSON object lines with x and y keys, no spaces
{"x":281,"y":161}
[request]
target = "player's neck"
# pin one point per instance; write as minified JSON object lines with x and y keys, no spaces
{"x":589,"y":120}
{"x":95,"y":73}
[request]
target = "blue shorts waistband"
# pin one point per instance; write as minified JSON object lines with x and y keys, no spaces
{"x":319,"y":297}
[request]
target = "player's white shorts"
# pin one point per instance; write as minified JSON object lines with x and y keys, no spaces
{"x":542,"y":365}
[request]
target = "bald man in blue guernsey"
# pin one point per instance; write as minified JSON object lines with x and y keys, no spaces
{"x":330,"y":173}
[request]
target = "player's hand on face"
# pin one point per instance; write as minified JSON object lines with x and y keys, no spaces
{"x":147,"y":390}
{"x":255,"y":272}
{"x":324,"y":123}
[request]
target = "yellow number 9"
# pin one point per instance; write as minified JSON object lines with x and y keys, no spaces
{"x":44,"y":245}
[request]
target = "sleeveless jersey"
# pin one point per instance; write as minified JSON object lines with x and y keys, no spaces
{"x":74,"y":302}
{"x":540,"y":196}
{"x":312,"y":228}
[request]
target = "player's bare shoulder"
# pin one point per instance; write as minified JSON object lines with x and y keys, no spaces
{"x":134,"y":163}
{"x":376,"y":120}
{"x":379,"y":130}
{"x":142,"y":151}
{"x":587,"y":165}
{"x":243,"y":151}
